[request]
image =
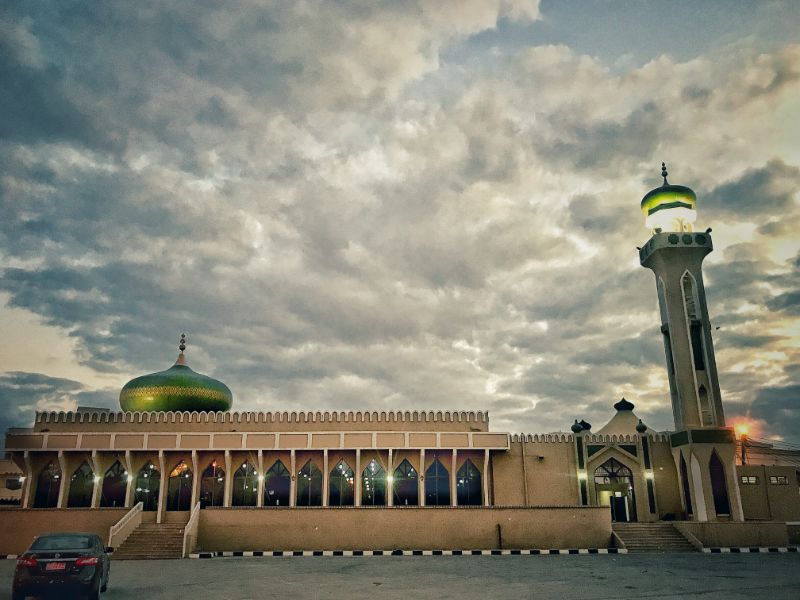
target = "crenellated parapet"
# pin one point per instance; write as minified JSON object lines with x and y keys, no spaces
{"x":264,"y":421}
{"x":540,"y":438}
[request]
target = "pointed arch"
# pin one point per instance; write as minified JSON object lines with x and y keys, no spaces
{"x":693,"y":319}
{"x":405,"y":487}
{"x":277,"y":485}
{"x":614,"y":487}
{"x":115,"y":484}
{"x":468,"y":485}
{"x":81,"y":487}
{"x":245,"y":485}
{"x":212,"y":485}
{"x":719,"y":486}
{"x":148,"y":483}
{"x":48,"y":484}
{"x":437,"y":484}
{"x":373,"y":485}
{"x":342,"y":485}
{"x":706,"y":414}
{"x":309,"y":485}
{"x":687,"y":492}
{"x":179,"y":487}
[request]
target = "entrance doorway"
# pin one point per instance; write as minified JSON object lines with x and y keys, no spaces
{"x":613,"y":484}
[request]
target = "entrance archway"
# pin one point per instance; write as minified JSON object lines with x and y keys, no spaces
{"x":613,"y":484}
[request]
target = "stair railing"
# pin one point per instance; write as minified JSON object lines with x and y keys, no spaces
{"x":190,"y":531}
{"x":120,"y":531}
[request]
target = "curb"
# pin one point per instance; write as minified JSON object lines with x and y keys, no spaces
{"x":750,"y":549}
{"x":288,"y":553}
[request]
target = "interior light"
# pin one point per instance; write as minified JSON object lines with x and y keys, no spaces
{"x":648,"y":474}
{"x":582,"y":475}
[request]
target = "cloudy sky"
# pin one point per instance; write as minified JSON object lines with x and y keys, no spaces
{"x":394,"y":205}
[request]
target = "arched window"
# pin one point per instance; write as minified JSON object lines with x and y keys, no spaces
{"x":406,"y":491}
{"x":115,"y":484}
{"x":309,"y":485}
{"x":47,"y":487}
{"x":706,"y":415}
{"x":148,"y":482}
{"x":468,"y":485}
{"x":245,"y":485}
{"x":342,"y":485}
{"x":719,"y":488}
{"x":373,"y":485}
{"x":179,"y":489}
{"x":81,"y":486}
{"x":277,"y":485}
{"x":437,"y":484}
{"x":695,"y":325}
{"x":687,"y":493}
{"x":212,"y":485}
{"x":613,"y":486}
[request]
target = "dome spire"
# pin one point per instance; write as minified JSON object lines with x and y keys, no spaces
{"x":182,"y":346}
{"x":664,"y":173}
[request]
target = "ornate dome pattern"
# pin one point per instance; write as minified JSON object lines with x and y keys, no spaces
{"x":179,"y":388}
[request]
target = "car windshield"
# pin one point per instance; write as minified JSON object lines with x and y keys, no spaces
{"x":62,"y":542}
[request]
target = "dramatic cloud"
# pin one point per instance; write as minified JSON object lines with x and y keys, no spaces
{"x":390,"y":205}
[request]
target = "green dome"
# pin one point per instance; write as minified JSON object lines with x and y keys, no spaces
{"x":179,"y":388}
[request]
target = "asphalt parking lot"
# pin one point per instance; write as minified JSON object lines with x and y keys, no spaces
{"x":458,"y":577}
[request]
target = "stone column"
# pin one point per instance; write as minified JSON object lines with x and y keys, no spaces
{"x":326,"y":476}
{"x":26,"y":490}
{"x":358,"y":477}
{"x":162,"y":488}
{"x":130,"y":481}
{"x":486,"y":477}
{"x":260,"y":479}
{"x":196,"y":477}
{"x":293,"y":481}
{"x":226,"y":496}
{"x":453,"y":488}
{"x":62,"y":484}
{"x":98,"y":479}
{"x":421,"y":478}
{"x":389,"y":481}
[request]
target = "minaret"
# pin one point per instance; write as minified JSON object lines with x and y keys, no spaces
{"x":702,"y":446}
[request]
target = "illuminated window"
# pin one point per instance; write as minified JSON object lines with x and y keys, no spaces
{"x":373,"y":485}
{"x":277,"y":485}
{"x":81,"y":486}
{"x":179,"y":488}
{"x":437,"y":484}
{"x":148,"y":482}
{"x":115,"y":484}
{"x":342,"y":485}
{"x":309,"y":485}
{"x":212,"y":485}
{"x":468,"y":485}
{"x":749,"y":479}
{"x":47,"y":486}
{"x":406,"y":490}
{"x":778,"y":480}
{"x":245,"y":485}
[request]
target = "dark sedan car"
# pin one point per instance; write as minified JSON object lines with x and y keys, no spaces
{"x":63,"y":565}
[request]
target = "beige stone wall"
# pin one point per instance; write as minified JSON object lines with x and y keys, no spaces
{"x":766,"y":501}
{"x":404,"y":528}
{"x":549,"y":468}
{"x":668,"y":497}
{"x":19,"y":526}
{"x":736,"y":534}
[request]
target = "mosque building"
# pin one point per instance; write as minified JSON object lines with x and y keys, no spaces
{"x":177,"y":472}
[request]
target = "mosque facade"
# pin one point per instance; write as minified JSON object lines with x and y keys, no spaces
{"x":177,"y":472}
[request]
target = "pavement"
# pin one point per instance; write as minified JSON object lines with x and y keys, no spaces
{"x":595,"y":577}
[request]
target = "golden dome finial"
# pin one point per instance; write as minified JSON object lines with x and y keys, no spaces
{"x":664,"y":173}
{"x":182,"y":345}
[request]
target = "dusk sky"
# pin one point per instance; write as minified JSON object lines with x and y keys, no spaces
{"x":399,"y":205}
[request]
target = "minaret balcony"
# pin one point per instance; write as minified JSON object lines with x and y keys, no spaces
{"x":676,"y":239}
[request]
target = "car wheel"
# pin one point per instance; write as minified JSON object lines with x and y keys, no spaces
{"x":93,"y":595}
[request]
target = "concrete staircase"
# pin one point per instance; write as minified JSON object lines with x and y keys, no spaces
{"x":152,"y":541}
{"x":652,"y":537}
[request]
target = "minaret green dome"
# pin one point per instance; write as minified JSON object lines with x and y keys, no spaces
{"x":178,"y":388}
